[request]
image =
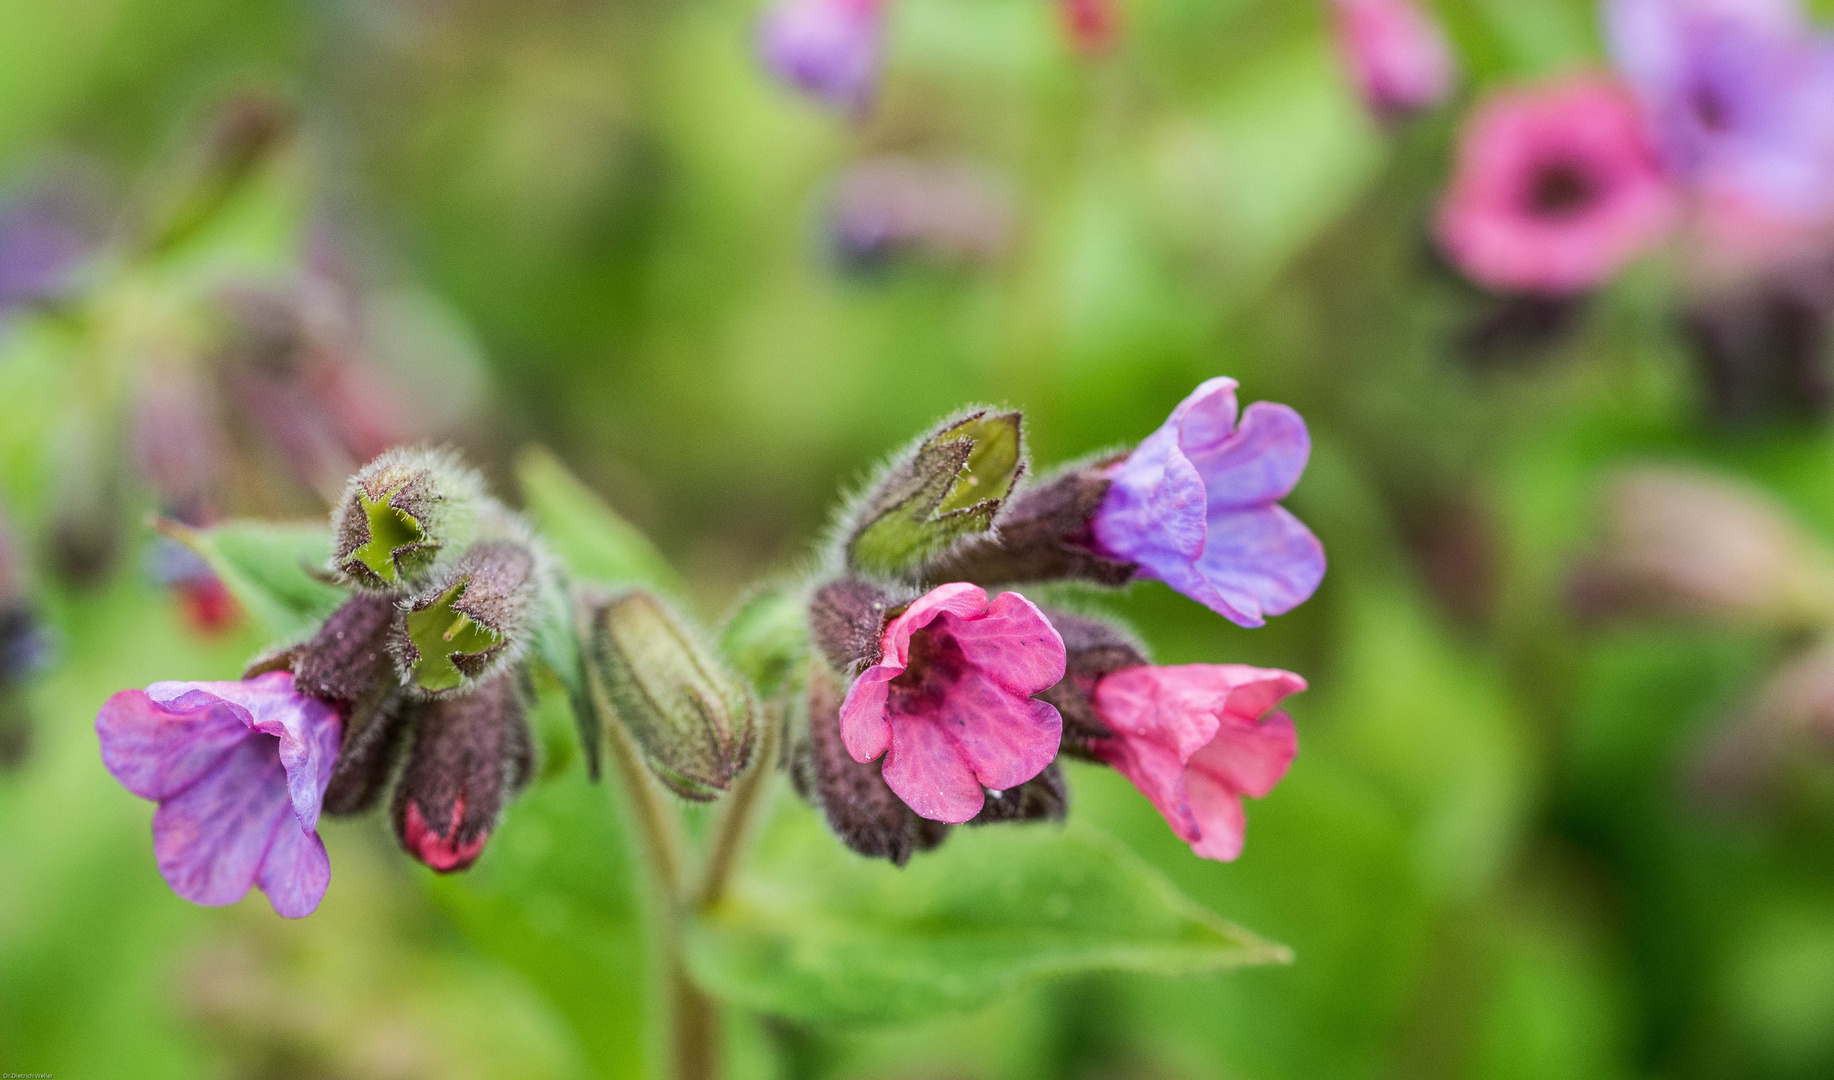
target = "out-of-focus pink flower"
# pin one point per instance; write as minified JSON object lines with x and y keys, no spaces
{"x":1555,"y":189}
{"x":1196,"y":505}
{"x":949,"y":702}
{"x":1396,"y":54}
{"x":885,"y":206}
{"x":239,"y":771}
{"x":830,"y":48}
{"x":1197,"y":738}
{"x":1091,"y":25}
{"x":1739,"y":95}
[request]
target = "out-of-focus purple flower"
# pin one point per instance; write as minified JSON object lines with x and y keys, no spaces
{"x":1555,"y":189}
{"x":1196,"y":505}
{"x":1197,"y":738}
{"x":239,"y":771}
{"x":888,"y":205}
{"x":830,"y":48}
{"x":179,"y":445}
{"x":1740,"y":97}
{"x":949,"y":701}
{"x":1396,"y":54}
{"x":41,"y":244}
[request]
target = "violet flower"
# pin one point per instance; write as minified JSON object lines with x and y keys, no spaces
{"x":1196,"y":506}
{"x":239,"y":771}
{"x":1396,"y":54}
{"x":830,"y":48}
{"x":1197,"y":738}
{"x":949,"y":701}
{"x":1739,"y":95}
{"x":1555,"y":189}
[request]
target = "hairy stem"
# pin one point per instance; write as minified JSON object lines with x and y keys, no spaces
{"x":741,"y":808}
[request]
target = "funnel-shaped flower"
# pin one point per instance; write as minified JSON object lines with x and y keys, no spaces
{"x":949,"y":701}
{"x":1555,"y":189}
{"x":1196,"y":506}
{"x":829,"y":48}
{"x":239,"y":771}
{"x":1197,"y":738}
{"x":1396,"y":54}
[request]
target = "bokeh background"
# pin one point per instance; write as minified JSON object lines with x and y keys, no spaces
{"x":316,"y":227}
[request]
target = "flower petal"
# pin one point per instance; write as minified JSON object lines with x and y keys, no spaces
{"x":957,"y":598}
{"x":1258,"y":464}
{"x":157,"y":749}
{"x":308,"y":729}
{"x":1248,"y":758}
{"x":1154,"y":517}
{"x":865,"y":729}
{"x":1005,"y":738}
{"x":296,"y":871}
{"x":926,"y":768}
{"x":1014,"y":644}
{"x":210,"y":839}
{"x":1262,"y":562}
{"x":1220,"y":820}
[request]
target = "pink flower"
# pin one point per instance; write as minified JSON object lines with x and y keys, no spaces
{"x":1555,"y":189}
{"x":830,"y":48}
{"x":949,"y":702}
{"x":239,"y":771}
{"x":1197,"y":738}
{"x":1395,"y":52}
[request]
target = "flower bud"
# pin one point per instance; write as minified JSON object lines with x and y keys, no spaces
{"x":1044,"y":535}
{"x":860,"y":807}
{"x":472,"y":622}
{"x":692,"y":718}
{"x":470,"y":754}
{"x":401,"y":516}
{"x":1680,"y":541}
{"x":1044,"y":797}
{"x":846,"y":619}
{"x":948,"y":488}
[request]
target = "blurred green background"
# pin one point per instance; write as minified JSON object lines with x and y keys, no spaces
{"x":1486,"y":857}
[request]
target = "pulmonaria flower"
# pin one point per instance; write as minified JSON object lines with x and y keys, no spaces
{"x":953,"y":212}
{"x":949,"y":700}
{"x":470,"y":754}
{"x":1196,"y":506}
{"x":830,"y":48}
{"x":1396,"y":54}
{"x":1738,"y":95}
{"x":41,"y":245}
{"x":1555,"y":189}
{"x":239,"y":771}
{"x":1197,"y":738}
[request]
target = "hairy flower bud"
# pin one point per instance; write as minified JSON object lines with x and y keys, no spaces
{"x":948,"y":487}
{"x":846,"y":619}
{"x":1044,"y":535}
{"x":470,"y":754}
{"x":1092,"y":649}
{"x":694,"y":721}
{"x":401,"y":516}
{"x":472,"y":622}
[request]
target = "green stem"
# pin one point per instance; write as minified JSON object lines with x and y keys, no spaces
{"x":741,"y":808}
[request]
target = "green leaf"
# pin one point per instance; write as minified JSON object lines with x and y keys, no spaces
{"x":271,"y":569}
{"x":590,"y":538}
{"x":767,"y":639}
{"x":817,"y":934}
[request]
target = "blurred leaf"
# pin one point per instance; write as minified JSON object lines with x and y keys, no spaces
{"x":268,"y":568}
{"x":818,"y":934}
{"x":590,"y":538}
{"x":767,"y":638}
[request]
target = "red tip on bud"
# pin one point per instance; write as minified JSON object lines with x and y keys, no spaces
{"x":441,"y":849}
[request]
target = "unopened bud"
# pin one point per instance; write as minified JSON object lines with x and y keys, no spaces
{"x":692,"y":718}
{"x":949,"y":487}
{"x":401,"y":516}
{"x":1044,"y":797}
{"x":473,"y":621}
{"x":1687,"y":542}
{"x":470,"y":754}
{"x":860,"y":807}
{"x":846,"y":622}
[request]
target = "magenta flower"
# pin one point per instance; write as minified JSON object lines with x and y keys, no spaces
{"x":1555,"y":189}
{"x":829,"y":48}
{"x":1396,"y":54}
{"x":949,"y":702}
{"x":1196,"y":506}
{"x":1197,"y":738}
{"x":239,"y":770}
{"x":1740,"y":96}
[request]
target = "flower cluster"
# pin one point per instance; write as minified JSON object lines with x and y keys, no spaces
{"x":424,"y":656}
{"x":934,"y":704}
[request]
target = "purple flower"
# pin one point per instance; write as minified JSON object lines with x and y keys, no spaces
{"x":239,"y":770}
{"x":830,"y":48}
{"x":1195,"y":506}
{"x":40,"y":245}
{"x":1740,"y":97}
